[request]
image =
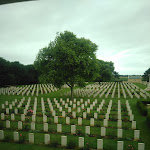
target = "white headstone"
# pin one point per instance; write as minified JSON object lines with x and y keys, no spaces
{"x":141,"y":146}
{"x":67,"y":120}
{"x":12,"y":117}
{"x":103,"y":131}
{"x":20,"y":125}
{"x":131,"y":117}
{"x":81,"y":142}
{"x":31,"y":138}
{"x":22,"y":117}
{"x":80,"y":121}
{"x":33,"y":126}
{"x":7,"y":124}
{"x":105,"y":123}
{"x":2,"y":116}
{"x":136,"y":135}
{"x":119,"y":125}
{"x":100,"y":144}
{"x":78,"y":109}
{"x":84,"y":115}
{"x":88,"y":110}
{"x":7,"y":111}
{"x":63,"y":114}
{"x":1,"y":135}
{"x":45,"y":127}
{"x":33,"y":118}
{"x":133,"y":125}
{"x":47,"y":138}
{"x":59,"y":128}
{"x":92,"y":122}
{"x":16,"y":111}
{"x":73,"y":129}
{"x":87,"y":130}
{"x":95,"y":115}
{"x":56,"y":119}
{"x":44,"y":118}
{"x":63,"y":140}
{"x":119,"y":145}
{"x":119,"y":133}
{"x":16,"y":136}
{"x":74,"y":114}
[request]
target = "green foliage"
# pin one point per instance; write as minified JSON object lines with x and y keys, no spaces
{"x":67,"y":60}
{"x":13,"y":73}
{"x":148,"y":119}
{"x":1,"y":125}
{"x":145,"y":76}
{"x":21,"y":138}
{"x":11,"y":1}
{"x":54,"y":144}
{"x":71,"y":144}
{"x":7,"y":138}
{"x":142,"y":108}
{"x":106,"y":70}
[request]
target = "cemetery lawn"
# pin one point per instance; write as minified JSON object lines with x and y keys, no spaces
{"x":110,"y":141}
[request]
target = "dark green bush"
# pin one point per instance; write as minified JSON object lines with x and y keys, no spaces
{"x":71,"y":144}
{"x":148,"y":119}
{"x":142,"y":108}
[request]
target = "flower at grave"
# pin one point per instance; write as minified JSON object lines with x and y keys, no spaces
{"x":29,"y":112}
{"x":20,"y":134}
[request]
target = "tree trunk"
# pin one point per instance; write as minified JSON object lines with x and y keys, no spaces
{"x":71,"y":92}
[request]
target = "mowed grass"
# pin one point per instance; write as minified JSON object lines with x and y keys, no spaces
{"x":109,"y":143}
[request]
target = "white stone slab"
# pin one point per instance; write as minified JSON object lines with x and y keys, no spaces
{"x":63,"y":140}
{"x":16,"y":136}
{"x":31,"y":138}
{"x":100,"y":144}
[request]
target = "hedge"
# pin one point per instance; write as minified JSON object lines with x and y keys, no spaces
{"x":142,"y":108}
{"x":148,"y":119}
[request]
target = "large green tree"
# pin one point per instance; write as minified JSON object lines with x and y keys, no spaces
{"x":67,"y":60}
{"x":106,"y":70}
{"x":145,"y":76}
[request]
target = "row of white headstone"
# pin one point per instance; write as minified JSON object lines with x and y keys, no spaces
{"x":29,"y":89}
{"x":141,"y":146}
{"x":105,"y":89}
{"x":73,"y":129}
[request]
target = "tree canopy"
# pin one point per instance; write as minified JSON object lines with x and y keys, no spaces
{"x":14,"y":73}
{"x":105,"y":70}
{"x":67,"y":60}
{"x":145,"y":76}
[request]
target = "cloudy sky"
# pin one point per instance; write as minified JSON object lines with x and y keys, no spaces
{"x":120,"y":28}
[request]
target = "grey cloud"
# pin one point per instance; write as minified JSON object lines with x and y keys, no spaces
{"x":115,"y":26}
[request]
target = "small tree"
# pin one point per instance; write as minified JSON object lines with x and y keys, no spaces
{"x":145,"y":76}
{"x":67,"y":60}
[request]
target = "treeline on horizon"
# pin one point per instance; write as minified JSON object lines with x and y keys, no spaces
{"x":15,"y":73}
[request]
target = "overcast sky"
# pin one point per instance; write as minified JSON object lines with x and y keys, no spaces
{"x":120,"y":28}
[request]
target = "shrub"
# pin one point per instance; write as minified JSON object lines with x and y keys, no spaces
{"x":78,"y":132}
{"x":142,"y":108}
{"x":29,"y":112}
{"x":71,"y":144}
{"x":26,"y":127}
{"x":54,"y":144}
{"x":1,"y":125}
{"x":7,"y":138}
{"x":148,"y":119}
{"x":98,"y":124}
{"x":21,"y":139}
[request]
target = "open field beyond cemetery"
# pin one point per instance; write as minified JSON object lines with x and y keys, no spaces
{"x":98,"y":117}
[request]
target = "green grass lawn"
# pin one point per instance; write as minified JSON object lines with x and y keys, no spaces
{"x":110,"y":141}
